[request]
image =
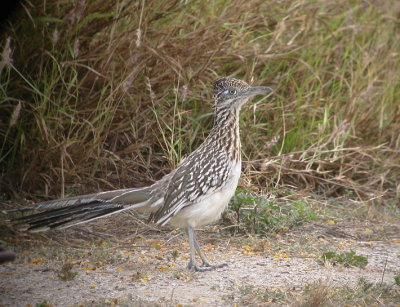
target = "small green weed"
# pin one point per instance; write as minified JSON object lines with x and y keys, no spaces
{"x":397,"y":280}
{"x":257,"y":214}
{"x":43,"y":304}
{"x":66,"y":272}
{"x":174,"y":254}
{"x":347,"y":259}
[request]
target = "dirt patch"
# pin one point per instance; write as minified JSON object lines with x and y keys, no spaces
{"x":150,"y":269}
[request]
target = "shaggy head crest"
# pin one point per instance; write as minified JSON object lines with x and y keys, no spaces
{"x":228,"y":87}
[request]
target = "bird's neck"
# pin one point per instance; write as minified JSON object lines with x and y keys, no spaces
{"x":226,"y":132}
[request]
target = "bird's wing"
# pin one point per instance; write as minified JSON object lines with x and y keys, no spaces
{"x":202,"y":172}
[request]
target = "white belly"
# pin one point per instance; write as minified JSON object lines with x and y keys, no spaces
{"x":209,"y":209}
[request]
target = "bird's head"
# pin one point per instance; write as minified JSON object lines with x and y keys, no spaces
{"x":233,"y":93}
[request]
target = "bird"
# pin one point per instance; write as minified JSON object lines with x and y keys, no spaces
{"x":192,"y":195}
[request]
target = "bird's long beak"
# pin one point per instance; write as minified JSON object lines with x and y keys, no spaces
{"x":256,"y":90}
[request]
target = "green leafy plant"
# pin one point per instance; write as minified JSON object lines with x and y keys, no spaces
{"x":397,"y":280}
{"x":43,"y":304}
{"x":258,"y":214}
{"x":66,"y":272}
{"x":346,"y":259}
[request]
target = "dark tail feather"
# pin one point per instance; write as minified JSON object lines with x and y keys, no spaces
{"x":77,"y":210}
{"x":68,"y":216}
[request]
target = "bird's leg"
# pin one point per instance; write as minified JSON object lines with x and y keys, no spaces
{"x":192,"y":262}
{"x":203,"y":258}
{"x":195,"y":246}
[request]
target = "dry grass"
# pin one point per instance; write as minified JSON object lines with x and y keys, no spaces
{"x":101,"y":94}
{"x":316,"y":296}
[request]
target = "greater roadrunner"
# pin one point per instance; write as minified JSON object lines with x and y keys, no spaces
{"x":192,"y":195}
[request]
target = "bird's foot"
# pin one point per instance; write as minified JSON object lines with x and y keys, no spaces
{"x":205,"y":267}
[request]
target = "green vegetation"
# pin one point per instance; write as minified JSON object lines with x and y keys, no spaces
{"x":260,"y":215}
{"x":346,"y":259}
{"x":66,"y":272}
{"x":43,"y":304}
{"x":397,"y":280}
{"x":101,"y":94}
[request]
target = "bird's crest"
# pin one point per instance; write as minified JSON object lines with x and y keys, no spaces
{"x":228,"y":87}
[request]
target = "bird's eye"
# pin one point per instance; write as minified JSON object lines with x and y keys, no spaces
{"x":232,"y":92}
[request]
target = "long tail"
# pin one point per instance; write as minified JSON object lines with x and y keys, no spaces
{"x":71,"y":211}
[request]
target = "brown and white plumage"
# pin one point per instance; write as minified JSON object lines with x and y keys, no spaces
{"x":192,"y":195}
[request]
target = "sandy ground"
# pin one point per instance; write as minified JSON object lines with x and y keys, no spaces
{"x":157,"y":275}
